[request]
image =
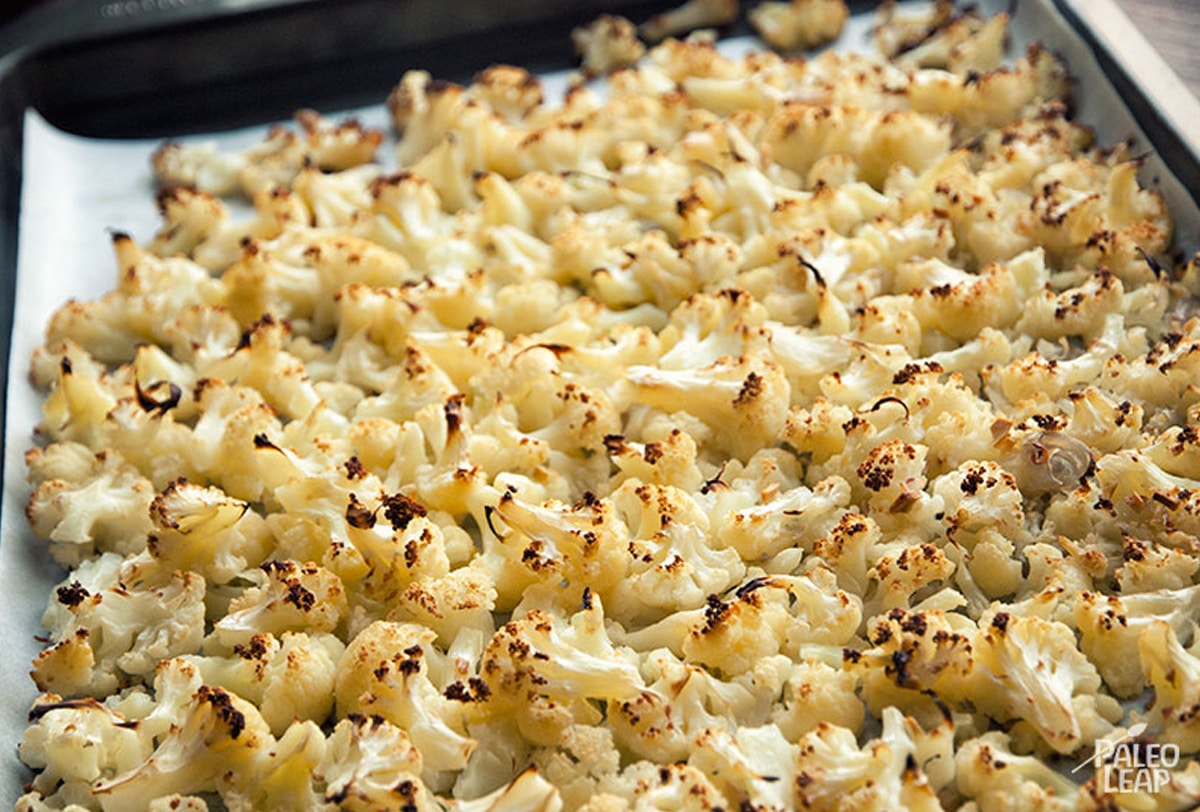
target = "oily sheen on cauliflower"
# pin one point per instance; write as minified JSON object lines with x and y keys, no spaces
{"x":749,"y":432}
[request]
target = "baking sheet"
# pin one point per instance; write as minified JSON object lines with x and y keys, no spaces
{"x":78,"y":190}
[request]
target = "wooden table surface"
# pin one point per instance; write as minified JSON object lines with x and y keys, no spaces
{"x":1173,"y":27}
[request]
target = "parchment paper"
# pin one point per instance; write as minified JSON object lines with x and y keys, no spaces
{"x":77,"y":191}
{"x":73,"y":191}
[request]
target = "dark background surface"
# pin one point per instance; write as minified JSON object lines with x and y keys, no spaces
{"x":1171,"y":26}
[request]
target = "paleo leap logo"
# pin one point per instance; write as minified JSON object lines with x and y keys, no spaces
{"x":1127,"y":764}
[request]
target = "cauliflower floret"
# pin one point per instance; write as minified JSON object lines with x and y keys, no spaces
{"x":283,"y":777}
{"x":705,"y":328}
{"x":648,"y":786}
{"x":219,"y":744}
{"x":690,"y":15}
{"x":751,"y":764}
{"x":461,"y":600}
{"x":672,"y":561}
{"x":892,"y":478}
{"x":978,"y":496}
{"x":528,"y":791}
{"x":897,"y":29}
{"x":273,"y":162}
{"x":292,"y":598}
{"x":203,"y":530}
{"x":663,"y":722}
{"x":832,"y":771}
{"x":606,"y":44}
{"x":566,"y":661}
{"x":85,"y":504}
{"x":112,"y":621}
{"x":817,"y":693}
{"x":904,"y":576}
{"x":1174,"y":672}
{"x":799,"y":24}
{"x":287,"y":677}
{"x":965,"y":42}
{"x":1077,"y":311}
{"x":76,"y":742}
{"x":786,"y":520}
{"x":584,"y":761}
{"x":916,"y":656}
{"x":386,"y":671}
{"x":670,"y":460}
{"x":730,"y":636}
{"x":190,"y":217}
{"x":1145,"y":496}
{"x":1111,"y":628}
{"x":743,"y":400}
{"x":1044,"y":679}
{"x":370,"y":763}
{"x":994,"y":98}
{"x":579,"y":548}
{"x":996,"y":778}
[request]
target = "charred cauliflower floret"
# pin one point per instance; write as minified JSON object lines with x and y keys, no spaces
{"x":744,"y":400}
{"x":608,"y":43}
{"x":799,"y":24}
{"x":111,"y":622}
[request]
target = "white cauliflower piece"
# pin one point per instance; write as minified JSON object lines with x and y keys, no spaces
{"x":385,"y":670}
{"x":978,"y":496}
{"x":1174,"y":673}
{"x":831,"y":769}
{"x":112,"y":621}
{"x":218,"y":745}
{"x":817,"y":692}
{"x":690,"y":15}
{"x":744,"y":400}
{"x":606,"y":44}
{"x":204,"y":530}
{"x":1044,"y":679}
{"x":647,"y":786}
{"x":584,"y":761}
{"x":293,"y":598}
{"x":1111,"y":628}
{"x":751,"y":763}
{"x":290,"y":677}
{"x":564,"y":660}
{"x":77,"y":742}
{"x":85,"y":504}
{"x":528,"y":792}
{"x":672,"y":561}
{"x":996,"y":778}
{"x":370,"y":763}
{"x":284,"y":775}
{"x":799,"y":24}
{"x":681,"y":701}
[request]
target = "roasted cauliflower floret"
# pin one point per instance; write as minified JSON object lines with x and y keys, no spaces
{"x":799,"y":24}
{"x":112,"y":621}
{"x":744,"y":400}
{"x":86,"y":504}
{"x":287,"y":677}
{"x":385,"y":671}
{"x":607,"y":43}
